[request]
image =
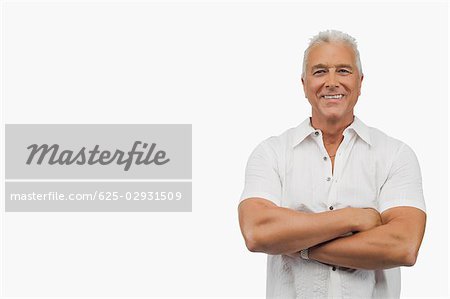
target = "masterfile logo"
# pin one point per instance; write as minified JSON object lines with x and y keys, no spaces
{"x":91,"y":157}
{"x":69,"y":167}
{"x":68,"y":151}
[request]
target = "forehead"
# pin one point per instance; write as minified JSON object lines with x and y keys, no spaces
{"x":331,"y":53}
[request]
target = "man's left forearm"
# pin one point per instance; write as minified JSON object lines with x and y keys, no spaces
{"x":379,"y":248}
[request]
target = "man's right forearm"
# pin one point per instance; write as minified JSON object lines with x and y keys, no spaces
{"x":276,"y":230}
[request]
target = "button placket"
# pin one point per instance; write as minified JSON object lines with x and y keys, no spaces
{"x":339,"y":162}
{"x":342,"y":155}
{"x":332,"y":198}
{"x":328,"y":169}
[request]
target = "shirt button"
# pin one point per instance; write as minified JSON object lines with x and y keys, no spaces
{"x":331,"y":208}
{"x":325,"y":158}
{"x":328,"y":179}
{"x":316,"y":133}
{"x":334,"y":268}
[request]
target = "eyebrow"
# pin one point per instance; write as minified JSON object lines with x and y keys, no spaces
{"x":323,"y":66}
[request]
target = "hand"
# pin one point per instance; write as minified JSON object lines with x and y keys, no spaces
{"x":365,"y":219}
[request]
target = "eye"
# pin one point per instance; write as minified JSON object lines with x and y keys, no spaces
{"x":318,"y":72}
{"x":344,"y":71}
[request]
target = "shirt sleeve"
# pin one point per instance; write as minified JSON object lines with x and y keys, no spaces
{"x":261,"y":175}
{"x":403,"y":186}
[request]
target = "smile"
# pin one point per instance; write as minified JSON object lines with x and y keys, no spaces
{"x":335,"y":96}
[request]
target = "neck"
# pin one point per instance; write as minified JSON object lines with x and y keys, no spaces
{"x":331,"y":129}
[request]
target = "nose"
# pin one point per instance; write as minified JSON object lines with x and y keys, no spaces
{"x":331,"y":80}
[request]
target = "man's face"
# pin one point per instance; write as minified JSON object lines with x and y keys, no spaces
{"x":332,"y":82}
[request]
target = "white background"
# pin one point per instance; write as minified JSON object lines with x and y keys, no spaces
{"x":233,"y":71}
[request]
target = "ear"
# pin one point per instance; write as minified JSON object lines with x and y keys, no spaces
{"x":303,"y":84}
{"x":360,"y":84}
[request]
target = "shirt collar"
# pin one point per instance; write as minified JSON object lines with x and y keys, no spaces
{"x":361,"y":129}
{"x":305,"y":129}
{"x":301,"y":131}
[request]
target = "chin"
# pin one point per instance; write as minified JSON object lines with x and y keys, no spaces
{"x":333,"y":116}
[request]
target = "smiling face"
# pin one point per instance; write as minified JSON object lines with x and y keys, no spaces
{"x":332,"y":82}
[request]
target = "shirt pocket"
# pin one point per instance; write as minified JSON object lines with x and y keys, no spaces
{"x":358,"y":186}
{"x":299,"y":195}
{"x":299,"y":190}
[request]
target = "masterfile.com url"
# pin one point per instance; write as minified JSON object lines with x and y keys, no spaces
{"x":97,"y":195}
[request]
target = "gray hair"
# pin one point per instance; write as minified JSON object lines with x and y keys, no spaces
{"x":332,"y":36}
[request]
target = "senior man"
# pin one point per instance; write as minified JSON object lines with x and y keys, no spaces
{"x":337,"y":205}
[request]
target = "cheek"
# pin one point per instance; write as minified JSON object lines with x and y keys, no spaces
{"x":351,"y":85}
{"x":314,"y":87}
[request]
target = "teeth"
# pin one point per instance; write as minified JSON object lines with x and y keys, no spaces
{"x":336,"y":96}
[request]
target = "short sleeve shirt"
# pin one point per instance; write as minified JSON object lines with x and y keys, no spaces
{"x":293,"y":170}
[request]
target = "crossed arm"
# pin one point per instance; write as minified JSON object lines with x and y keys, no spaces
{"x":383,"y":241}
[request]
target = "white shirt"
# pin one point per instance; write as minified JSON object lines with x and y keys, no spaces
{"x":293,"y":170}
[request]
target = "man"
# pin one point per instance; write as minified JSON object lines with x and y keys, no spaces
{"x":337,"y":205}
